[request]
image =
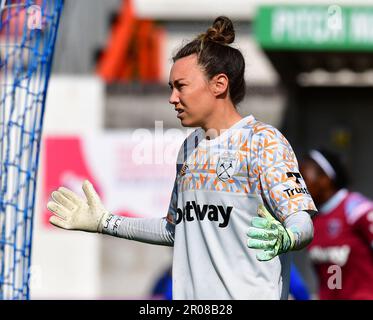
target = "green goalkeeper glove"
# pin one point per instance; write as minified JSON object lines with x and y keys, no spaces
{"x":269,"y":235}
{"x":74,"y":213}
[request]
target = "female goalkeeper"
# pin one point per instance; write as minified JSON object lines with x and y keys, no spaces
{"x":238,"y":204}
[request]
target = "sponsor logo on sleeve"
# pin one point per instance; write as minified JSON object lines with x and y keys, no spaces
{"x":296,"y":177}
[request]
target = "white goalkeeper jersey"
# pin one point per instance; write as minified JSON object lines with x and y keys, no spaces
{"x":218,"y":187}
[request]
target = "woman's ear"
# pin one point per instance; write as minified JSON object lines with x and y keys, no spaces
{"x":219,"y":84}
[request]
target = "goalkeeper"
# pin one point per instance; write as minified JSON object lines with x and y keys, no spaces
{"x":238,"y":205}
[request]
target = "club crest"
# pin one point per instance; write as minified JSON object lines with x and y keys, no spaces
{"x":334,"y":227}
{"x":226,"y":166}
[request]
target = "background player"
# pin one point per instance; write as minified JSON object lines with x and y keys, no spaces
{"x":343,"y":229}
{"x":228,"y":171}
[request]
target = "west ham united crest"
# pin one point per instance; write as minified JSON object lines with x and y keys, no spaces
{"x":226,"y":166}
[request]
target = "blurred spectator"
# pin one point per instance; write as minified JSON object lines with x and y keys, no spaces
{"x":343,"y":230}
{"x":298,"y":289}
{"x":163,"y":287}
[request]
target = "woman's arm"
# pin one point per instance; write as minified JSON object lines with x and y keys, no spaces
{"x":148,"y":230}
{"x":301,"y":225}
{"x":74,"y":213}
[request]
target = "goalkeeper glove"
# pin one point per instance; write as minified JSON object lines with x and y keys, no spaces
{"x":269,"y":235}
{"x":74,"y":213}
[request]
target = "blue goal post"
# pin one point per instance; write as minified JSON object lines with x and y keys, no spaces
{"x":28,"y":31}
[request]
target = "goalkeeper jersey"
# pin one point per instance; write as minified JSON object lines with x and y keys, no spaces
{"x":218,"y":187}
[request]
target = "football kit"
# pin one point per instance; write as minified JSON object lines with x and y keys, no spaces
{"x":218,"y":188}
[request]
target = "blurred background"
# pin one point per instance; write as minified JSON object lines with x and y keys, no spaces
{"x":309,"y":73}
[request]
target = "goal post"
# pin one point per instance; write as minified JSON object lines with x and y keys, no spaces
{"x":28,"y":31}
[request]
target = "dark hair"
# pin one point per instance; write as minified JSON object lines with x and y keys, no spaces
{"x":341,"y":179}
{"x":216,"y":56}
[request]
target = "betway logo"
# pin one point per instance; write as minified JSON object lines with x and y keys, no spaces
{"x":192,"y":211}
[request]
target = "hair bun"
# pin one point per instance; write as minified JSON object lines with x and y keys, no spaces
{"x":222,"y":31}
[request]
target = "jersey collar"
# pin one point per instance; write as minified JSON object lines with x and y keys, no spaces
{"x":239,"y":124}
{"x":334,"y":201}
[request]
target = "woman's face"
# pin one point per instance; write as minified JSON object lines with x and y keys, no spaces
{"x":317,"y":182}
{"x":192,"y":93}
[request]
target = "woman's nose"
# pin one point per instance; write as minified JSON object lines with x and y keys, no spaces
{"x":174,"y":97}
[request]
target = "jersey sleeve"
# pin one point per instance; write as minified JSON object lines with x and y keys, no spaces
{"x":359,"y":214}
{"x":281,"y":185}
{"x":364,"y":227}
{"x":172,"y":208}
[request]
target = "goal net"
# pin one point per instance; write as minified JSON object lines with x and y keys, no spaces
{"x":28,"y":32}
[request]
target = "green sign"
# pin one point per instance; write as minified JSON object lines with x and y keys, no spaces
{"x":293,"y":27}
